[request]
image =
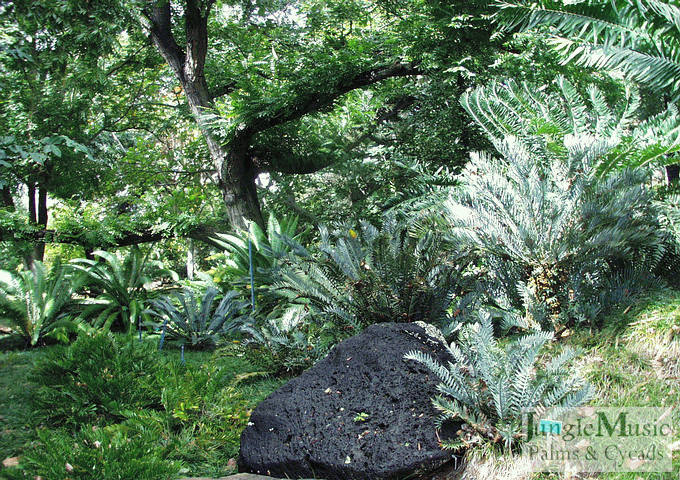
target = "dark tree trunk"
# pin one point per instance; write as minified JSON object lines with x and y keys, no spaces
{"x":39,"y":248}
{"x":673,"y":173}
{"x":234,"y":161}
{"x":6,"y":198}
{"x":32,"y":216}
{"x":236,"y":175}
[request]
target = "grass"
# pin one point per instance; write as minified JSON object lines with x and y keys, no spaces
{"x":634,"y":361}
{"x":15,"y":412}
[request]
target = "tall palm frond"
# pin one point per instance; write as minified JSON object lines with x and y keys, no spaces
{"x":508,"y":109}
{"x":640,"y":38}
{"x":265,"y":250}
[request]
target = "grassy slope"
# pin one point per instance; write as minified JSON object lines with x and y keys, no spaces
{"x":634,"y":362}
{"x":14,"y":396}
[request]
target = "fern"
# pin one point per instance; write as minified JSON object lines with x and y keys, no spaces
{"x":489,"y":385}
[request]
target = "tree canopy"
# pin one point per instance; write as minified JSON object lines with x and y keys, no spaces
{"x":143,"y":120}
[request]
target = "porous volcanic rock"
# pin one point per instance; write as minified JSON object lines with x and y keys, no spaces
{"x":362,"y":413}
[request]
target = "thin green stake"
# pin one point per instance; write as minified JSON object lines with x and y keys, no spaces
{"x":252,"y":276}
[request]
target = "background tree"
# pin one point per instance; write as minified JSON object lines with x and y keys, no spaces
{"x":57,"y":60}
{"x":267,"y":83}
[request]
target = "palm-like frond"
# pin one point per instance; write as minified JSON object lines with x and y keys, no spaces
{"x":38,"y":302}
{"x":266,"y":250}
{"x":367,"y":275}
{"x":551,"y":203}
{"x":490,"y":386}
{"x":640,"y":38}
{"x":201,"y":322}
{"x":121,"y":286}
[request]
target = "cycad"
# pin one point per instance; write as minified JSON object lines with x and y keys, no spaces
{"x":38,"y":303}
{"x":200,"y":322}
{"x":507,"y":109}
{"x":265,"y":249}
{"x":641,"y":38}
{"x":539,"y":210}
{"x":122,"y":288}
{"x":489,"y":385}
{"x":366,"y":275}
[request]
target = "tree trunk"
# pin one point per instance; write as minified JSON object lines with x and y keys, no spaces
{"x":235,"y":161}
{"x":32,"y":216}
{"x":39,"y":248}
{"x":236,"y":175}
{"x":672,"y":173}
{"x":6,"y":198}
{"x":37,"y":215}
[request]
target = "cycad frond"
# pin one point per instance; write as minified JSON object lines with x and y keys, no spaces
{"x":640,"y":38}
{"x":375,"y":275}
{"x":37,"y":303}
{"x":490,"y":386}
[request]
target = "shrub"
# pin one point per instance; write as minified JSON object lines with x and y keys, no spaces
{"x":550,"y":231}
{"x":288,"y":345}
{"x":38,"y":303}
{"x":108,"y":453}
{"x":267,"y":250}
{"x":490,"y":384}
{"x":365,"y":276}
{"x":201,"y":324}
{"x":95,"y":380}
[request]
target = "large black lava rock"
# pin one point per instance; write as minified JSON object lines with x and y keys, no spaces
{"x":362,"y":413}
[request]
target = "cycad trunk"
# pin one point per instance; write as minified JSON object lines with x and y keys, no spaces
{"x":547,"y":282}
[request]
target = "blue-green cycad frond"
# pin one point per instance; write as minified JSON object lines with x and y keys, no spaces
{"x":201,"y":320}
{"x":490,"y":385}
{"x":541,"y":204}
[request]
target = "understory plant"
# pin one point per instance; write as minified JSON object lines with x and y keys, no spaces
{"x":491,"y":383}
{"x":95,"y":380}
{"x":98,"y":453}
{"x":288,"y":344}
{"x":368,"y":275}
{"x":38,"y":303}
{"x":201,"y":322}
{"x":551,"y":233}
{"x":121,"y":289}
{"x":261,"y":250}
